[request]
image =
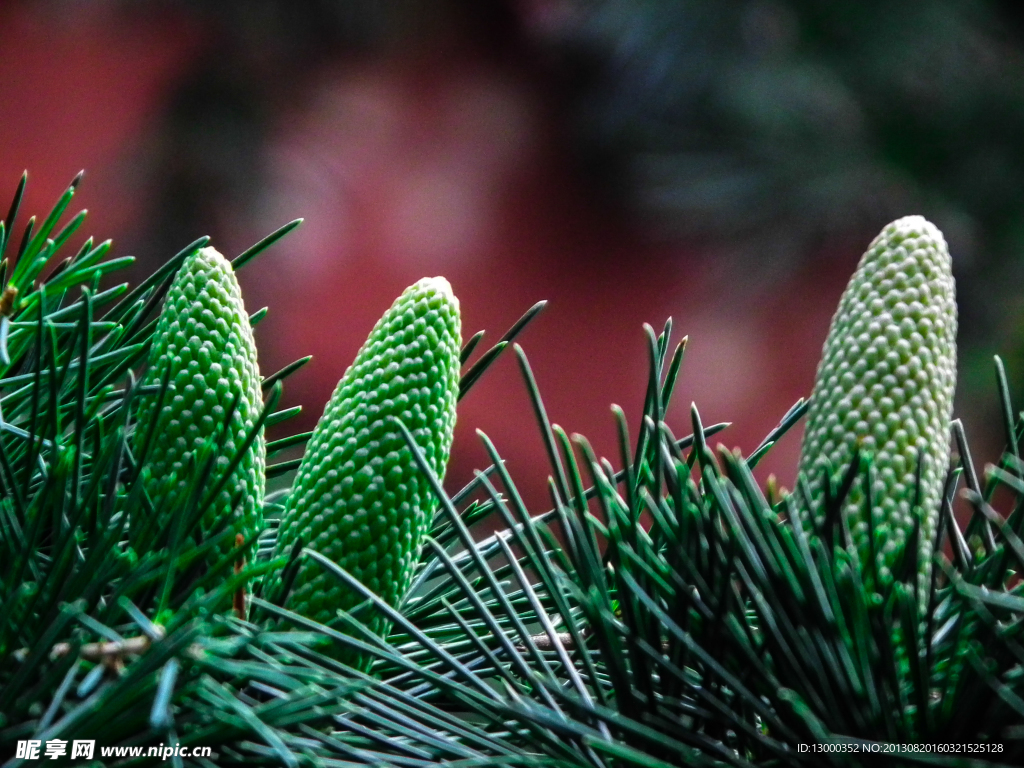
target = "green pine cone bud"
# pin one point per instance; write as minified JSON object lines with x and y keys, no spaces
{"x":359,"y":498}
{"x":204,"y":344}
{"x":886,"y":382}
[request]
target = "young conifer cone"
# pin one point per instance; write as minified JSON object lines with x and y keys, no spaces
{"x":358,"y":497}
{"x":204,"y":344}
{"x":886,"y":382}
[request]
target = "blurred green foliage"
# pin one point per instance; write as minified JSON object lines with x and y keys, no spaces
{"x":774,"y":131}
{"x":776,"y":128}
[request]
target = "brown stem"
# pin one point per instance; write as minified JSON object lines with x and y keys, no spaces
{"x":109,"y":652}
{"x":7,"y":300}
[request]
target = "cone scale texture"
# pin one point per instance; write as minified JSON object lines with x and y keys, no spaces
{"x":358,"y":497}
{"x":204,"y":344}
{"x":886,"y":382}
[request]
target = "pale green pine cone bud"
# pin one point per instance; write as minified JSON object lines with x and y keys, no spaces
{"x":359,"y":497}
{"x":204,"y":344}
{"x":886,"y":382}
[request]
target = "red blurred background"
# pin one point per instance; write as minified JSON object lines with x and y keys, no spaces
{"x":436,"y":153}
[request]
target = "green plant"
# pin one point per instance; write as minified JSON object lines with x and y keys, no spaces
{"x":664,"y":611}
{"x":204,"y":348}
{"x":72,"y":480}
{"x":884,"y":388}
{"x":358,"y":497}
